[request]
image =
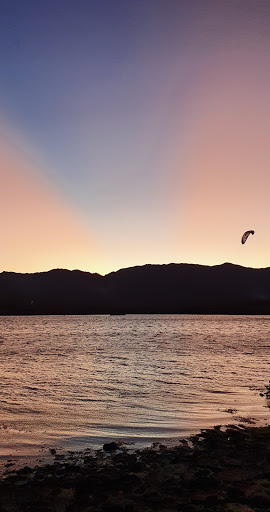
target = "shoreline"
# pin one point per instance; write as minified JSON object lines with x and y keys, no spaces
{"x":222,"y":469}
{"x":40,"y":455}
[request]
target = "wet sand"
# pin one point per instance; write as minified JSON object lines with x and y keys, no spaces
{"x":222,"y":470}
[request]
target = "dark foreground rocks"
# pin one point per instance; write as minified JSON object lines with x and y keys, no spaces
{"x":222,"y":471}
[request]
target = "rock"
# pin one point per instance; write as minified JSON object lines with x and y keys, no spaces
{"x":110,"y":447}
{"x":37,"y":507}
{"x":25,"y":471}
{"x":236,"y":494}
{"x":113,"y":508}
{"x":21,"y":482}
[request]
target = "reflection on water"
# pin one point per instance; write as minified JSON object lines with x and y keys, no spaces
{"x":71,"y":380}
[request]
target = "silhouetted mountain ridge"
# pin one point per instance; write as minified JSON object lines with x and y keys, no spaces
{"x":172,"y":288}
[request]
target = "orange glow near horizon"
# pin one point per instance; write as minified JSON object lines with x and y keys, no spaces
{"x":38,"y":230}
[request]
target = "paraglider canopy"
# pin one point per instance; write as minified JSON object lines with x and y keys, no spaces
{"x":246,"y":235}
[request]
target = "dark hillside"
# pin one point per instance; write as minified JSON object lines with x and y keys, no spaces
{"x":183,"y":288}
{"x":173,"y":288}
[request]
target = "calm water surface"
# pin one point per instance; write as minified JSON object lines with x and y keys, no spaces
{"x":76,"y":381}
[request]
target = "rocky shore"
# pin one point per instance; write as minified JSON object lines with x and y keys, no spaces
{"x":222,"y":470}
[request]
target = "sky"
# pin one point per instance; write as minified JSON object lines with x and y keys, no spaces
{"x":134,"y":132}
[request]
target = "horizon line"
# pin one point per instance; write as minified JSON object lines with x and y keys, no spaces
{"x":131,"y":267}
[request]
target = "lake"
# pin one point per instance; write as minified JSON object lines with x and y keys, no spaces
{"x":74,"y":381}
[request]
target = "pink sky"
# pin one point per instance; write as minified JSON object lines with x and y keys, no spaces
{"x":134,"y":133}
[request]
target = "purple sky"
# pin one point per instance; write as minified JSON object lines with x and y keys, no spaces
{"x":109,"y":100}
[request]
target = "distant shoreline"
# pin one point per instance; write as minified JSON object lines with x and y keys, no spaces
{"x":150,"y":289}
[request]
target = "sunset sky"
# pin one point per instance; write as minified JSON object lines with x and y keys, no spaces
{"x":133,"y":132}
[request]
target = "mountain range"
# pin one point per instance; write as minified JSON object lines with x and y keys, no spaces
{"x":172,"y":288}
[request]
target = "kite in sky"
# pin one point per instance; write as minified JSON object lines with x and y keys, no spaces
{"x":246,"y":235}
